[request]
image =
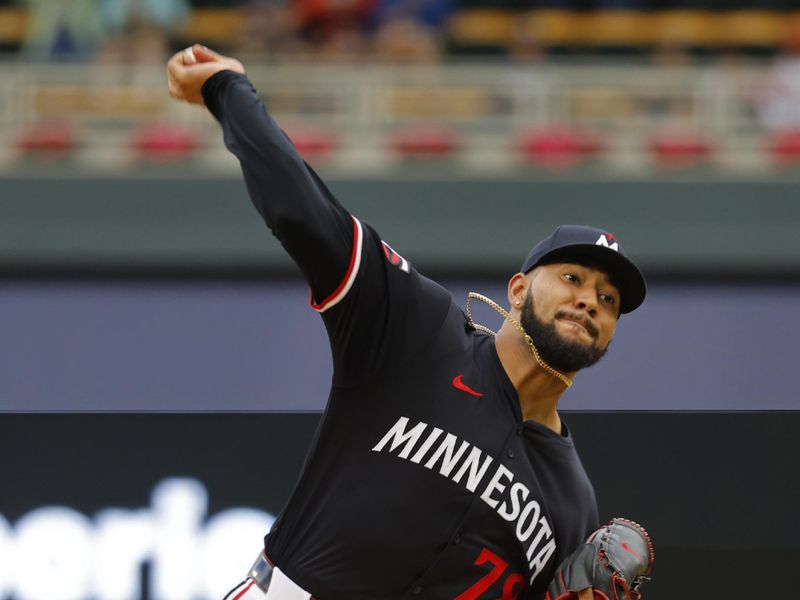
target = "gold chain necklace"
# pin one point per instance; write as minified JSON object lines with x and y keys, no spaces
{"x":492,"y":304}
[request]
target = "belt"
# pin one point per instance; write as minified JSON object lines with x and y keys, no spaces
{"x":261,"y":572}
{"x":274,"y":583}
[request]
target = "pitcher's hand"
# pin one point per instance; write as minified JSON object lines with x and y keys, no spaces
{"x":189,"y":69}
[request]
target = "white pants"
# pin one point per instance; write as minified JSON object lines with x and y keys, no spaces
{"x":280,"y":588}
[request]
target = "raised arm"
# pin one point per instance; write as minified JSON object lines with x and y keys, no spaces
{"x":383,"y":310}
{"x":317,"y":232}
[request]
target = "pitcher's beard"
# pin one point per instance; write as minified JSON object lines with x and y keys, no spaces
{"x":563,"y":355}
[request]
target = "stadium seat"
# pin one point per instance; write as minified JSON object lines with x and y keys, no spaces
{"x":311,"y":142}
{"x":425,"y":140}
{"x":50,"y":137}
{"x":680,"y":148}
{"x":784,"y":146}
{"x":164,"y":142}
{"x":558,"y":146}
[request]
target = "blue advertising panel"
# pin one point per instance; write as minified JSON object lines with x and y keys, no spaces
{"x":205,"y":346}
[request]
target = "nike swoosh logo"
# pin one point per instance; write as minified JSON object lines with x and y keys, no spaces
{"x":458,"y":383}
{"x":629,"y":549}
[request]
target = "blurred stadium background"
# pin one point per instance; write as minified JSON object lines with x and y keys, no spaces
{"x":136,"y":278}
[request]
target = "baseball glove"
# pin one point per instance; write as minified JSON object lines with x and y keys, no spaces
{"x":614,"y":561}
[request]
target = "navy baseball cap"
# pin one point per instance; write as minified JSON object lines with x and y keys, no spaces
{"x":579,"y":243}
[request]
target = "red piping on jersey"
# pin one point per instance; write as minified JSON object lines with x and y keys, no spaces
{"x":244,"y":591}
{"x":347,"y":280}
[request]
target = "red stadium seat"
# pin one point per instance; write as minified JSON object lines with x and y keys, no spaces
{"x":680,"y":148}
{"x":425,"y":141}
{"x":53,"y":138}
{"x":312,"y":142}
{"x":164,"y":142}
{"x":784,"y":146}
{"x":559,"y":147}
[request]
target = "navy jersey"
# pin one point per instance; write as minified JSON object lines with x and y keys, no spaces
{"x":423,"y":481}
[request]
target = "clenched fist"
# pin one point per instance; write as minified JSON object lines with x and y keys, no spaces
{"x":189,"y":69}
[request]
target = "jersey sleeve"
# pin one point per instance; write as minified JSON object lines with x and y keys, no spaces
{"x":377,"y":308}
{"x":316,"y":231}
{"x":389,"y":315}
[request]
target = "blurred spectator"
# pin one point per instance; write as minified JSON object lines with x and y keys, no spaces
{"x":429,"y":13}
{"x":669,"y":110}
{"x":672,"y":54}
{"x":778,"y":101}
{"x":409,"y":30}
{"x":139,"y":30}
{"x":63,"y":29}
{"x":525,"y":44}
{"x":334,"y":27}
{"x":407,"y":41}
{"x":217,"y":3}
{"x":269,"y":27}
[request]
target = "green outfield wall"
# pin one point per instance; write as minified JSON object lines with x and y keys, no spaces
{"x":206,"y":226}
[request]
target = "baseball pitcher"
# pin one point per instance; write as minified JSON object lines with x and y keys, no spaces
{"x":441,"y":469}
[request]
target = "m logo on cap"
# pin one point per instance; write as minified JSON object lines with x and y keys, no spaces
{"x":604,"y":239}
